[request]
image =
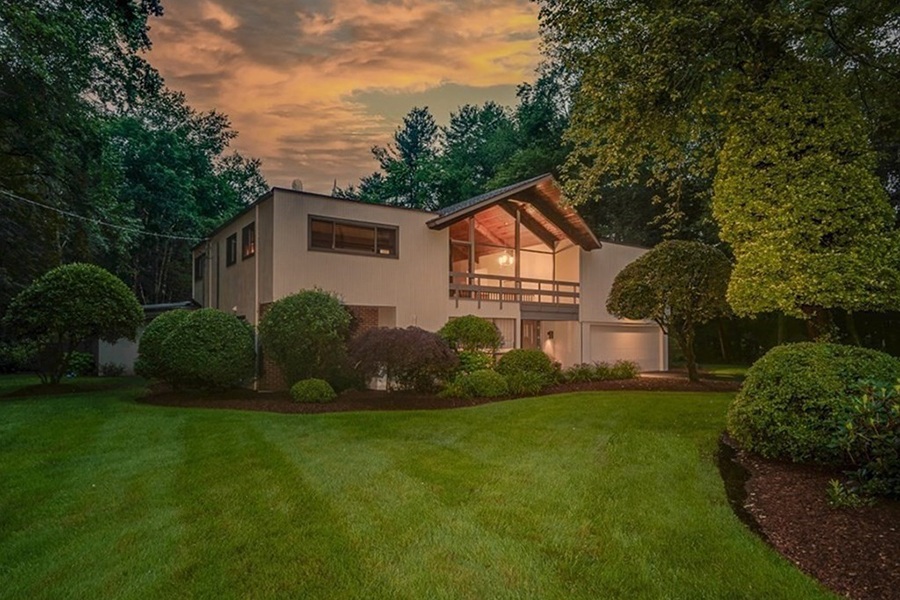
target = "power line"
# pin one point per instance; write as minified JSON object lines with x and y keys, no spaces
{"x":67,"y":213}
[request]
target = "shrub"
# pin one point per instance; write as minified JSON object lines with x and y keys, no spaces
{"x":17,"y":357}
{"x":624,"y":369}
{"x":81,"y":364}
{"x":871,"y":438}
{"x":528,"y":361}
{"x":151,"y":362}
{"x":471,"y":334}
{"x":474,"y":361}
{"x":796,"y":399}
{"x":209,"y":349}
{"x":582,"y":373}
{"x":111,"y":370}
{"x":409,"y":358}
{"x":68,"y":306}
{"x":306,"y":334}
{"x":525,"y":383}
{"x":478,"y":384}
{"x":312,"y":390}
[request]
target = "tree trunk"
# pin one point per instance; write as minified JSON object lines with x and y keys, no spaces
{"x":780,"y":340}
{"x":851,"y":329}
{"x":722,"y":347}
{"x":818,"y":323}
{"x":685,"y":339}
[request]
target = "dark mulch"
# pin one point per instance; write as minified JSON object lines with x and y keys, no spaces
{"x":364,"y":400}
{"x":58,"y":389}
{"x":855,"y":552}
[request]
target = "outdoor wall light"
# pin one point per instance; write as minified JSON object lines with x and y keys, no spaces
{"x":550,"y":335}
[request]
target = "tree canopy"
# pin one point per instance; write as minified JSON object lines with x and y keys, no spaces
{"x":678,"y":285}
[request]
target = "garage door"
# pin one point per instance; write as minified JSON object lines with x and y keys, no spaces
{"x":639,"y":343}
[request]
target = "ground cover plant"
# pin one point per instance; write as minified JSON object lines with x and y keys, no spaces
{"x":468,"y":503}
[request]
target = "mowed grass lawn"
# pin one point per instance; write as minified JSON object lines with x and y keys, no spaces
{"x":589,"y":495}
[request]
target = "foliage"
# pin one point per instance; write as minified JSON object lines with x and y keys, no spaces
{"x":798,"y":201}
{"x":663,"y":108}
{"x":111,"y":369}
{"x":68,"y":306}
{"x":209,"y":349}
{"x":679,"y":285}
{"x":485,"y":383}
{"x":525,"y":383}
{"x":796,"y":399}
{"x":601,"y":371}
{"x":16,"y":357}
{"x":312,"y":390}
{"x":471,"y":334}
{"x":840,"y":496}
{"x":409,"y":358}
{"x":152,"y":361}
{"x":305,"y":334}
{"x":474,"y":361}
{"x":527,"y":360}
{"x":81,"y":364}
{"x":871,"y":438}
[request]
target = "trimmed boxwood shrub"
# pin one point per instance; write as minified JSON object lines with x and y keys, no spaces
{"x":410,"y":358}
{"x":312,"y":390}
{"x":306,"y":334}
{"x":151,"y":360}
{"x":797,"y":399}
{"x":474,"y":361}
{"x":524,"y":360}
{"x":471,"y":334}
{"x":209,"y":349}
{"x":525,"y":383}
{"x":478,"y":384}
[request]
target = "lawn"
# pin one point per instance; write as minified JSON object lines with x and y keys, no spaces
{"x":589,"y":495}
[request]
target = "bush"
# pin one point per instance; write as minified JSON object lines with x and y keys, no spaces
{"x":478,"y":384}
{"x":871,"y":438}
{"x":306,"y":334}
{"x":312,"y":390}
{"x":151,"y":362}
{"x":601,"y":371}
{"x":474,"y":361}
{"x":797,"y":398}
{"x":624,"y":369}
{"x":17,"y":357}
{"x":81,"y":364}
{"x":409,"y":358}
{"x":111,"y":370}
{"x":471,"y":334}
{"x":209,"y":349}
{"x":68,"y":306}
{"x":528,"y":361}
{"x":525,"y":383}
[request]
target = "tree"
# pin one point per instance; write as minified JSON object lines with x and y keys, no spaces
{"x":797,"y":198}
{"x":67,"y":307}
{"x":679,"y":285}
{"x":306,"y":334}
{"x":658,"y":84}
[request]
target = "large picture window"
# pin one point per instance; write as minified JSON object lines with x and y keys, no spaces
{"x":353,"y":237}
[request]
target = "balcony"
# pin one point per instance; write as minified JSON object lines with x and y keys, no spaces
{"x":536,"y":295}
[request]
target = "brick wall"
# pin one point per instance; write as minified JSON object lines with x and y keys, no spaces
{"x":364,"y":318}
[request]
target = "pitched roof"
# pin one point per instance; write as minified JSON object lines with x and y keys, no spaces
{"x":543,"y":200}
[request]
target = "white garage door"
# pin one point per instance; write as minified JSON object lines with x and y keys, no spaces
{"x":640,"y":343}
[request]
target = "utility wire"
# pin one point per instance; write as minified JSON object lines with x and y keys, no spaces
{"x":10,"y":194}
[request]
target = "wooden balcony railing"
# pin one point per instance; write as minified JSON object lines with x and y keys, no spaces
{"x":500,"y":288}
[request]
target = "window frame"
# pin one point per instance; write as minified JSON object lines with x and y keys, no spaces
{"x":251,"y":229}
{"x":231,"y":250}
{"x":200,"y":267}
{"x":376,"y":227}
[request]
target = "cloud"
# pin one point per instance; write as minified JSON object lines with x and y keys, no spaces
{"x":312,"y":86}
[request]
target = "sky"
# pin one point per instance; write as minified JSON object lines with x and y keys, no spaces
{"x":312,"y":85}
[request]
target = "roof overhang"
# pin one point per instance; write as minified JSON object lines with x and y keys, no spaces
{"x":543,"y":211}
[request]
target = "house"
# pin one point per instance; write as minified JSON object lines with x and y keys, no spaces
{"x":518,"y":256}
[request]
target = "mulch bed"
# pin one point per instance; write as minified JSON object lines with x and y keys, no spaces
{"x":853,"y":551}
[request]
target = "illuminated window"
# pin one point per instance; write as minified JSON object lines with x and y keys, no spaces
{"x":353,"y":237}
{"x":248,"y":240}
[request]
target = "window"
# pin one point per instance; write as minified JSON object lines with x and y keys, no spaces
{"x":353,"y":237}
{"x":199,"y":266}
{"x":507,"y":329}
{"x":248,"y":240}
{"x":231,"y":250}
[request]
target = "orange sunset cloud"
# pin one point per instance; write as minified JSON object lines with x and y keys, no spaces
{"x":311,"y":86}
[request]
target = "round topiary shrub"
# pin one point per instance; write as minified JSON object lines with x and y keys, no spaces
{"x":524,"y":360}
{"x":797,"y":399}
{"x":471,"y":334}
{"x":478,"y":384}
{"x":151,"y":361}
{"x":209,"y":349}
{"x":312,"y":390}
{"x":305,"y":334}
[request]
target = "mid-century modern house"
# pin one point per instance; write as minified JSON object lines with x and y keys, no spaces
{"x":518,"y":256}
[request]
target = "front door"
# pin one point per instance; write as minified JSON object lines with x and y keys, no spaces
{"x":531,"y":334}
